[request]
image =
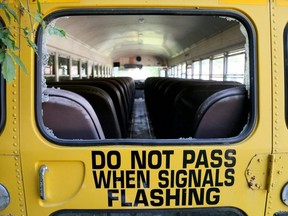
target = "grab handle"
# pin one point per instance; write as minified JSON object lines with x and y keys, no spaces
{"x":42,"y":171}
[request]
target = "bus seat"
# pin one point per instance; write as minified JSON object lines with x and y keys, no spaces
{"x":130,"y":83}
{"x":222,"y":115}
{"x":117,"y":86}
{"x":102,"y":105}
{"x":70,"y":116}
{"x":115,"y":95}
{"x":112,"y":91}
{"x":217,"y":112}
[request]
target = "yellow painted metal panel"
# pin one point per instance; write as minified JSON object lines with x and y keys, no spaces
{"x":257,"y":172}
{"x":92,"y":195}
{"x":11,"y":178}
{"x":278,"y":176}
{"x":10,"y":163}
{"x":35,"y":150}
{"x":60,"y":175}
{"x":56,"y":1}
{"x":218,"y":173}
{"x":279,"y":21}
{"x":281,"y":2}
{"x":244,"y":2}
{"x":9,"y":138}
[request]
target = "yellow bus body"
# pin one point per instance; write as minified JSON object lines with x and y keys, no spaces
{"x":248,"y":175}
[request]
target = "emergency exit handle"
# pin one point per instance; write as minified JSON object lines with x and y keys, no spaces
{"x":42,"y":171}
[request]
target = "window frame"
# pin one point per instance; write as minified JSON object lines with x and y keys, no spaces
{"x":130,"y":11}
{"x":2,"y":94}
{"x":285,"y":51}
{"x":222,"y":211}
{"x":2,"y":102}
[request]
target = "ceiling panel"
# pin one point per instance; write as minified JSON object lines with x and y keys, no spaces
{"x":162,"y":36}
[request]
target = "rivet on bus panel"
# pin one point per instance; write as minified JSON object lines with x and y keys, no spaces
{"x":276,"y":114}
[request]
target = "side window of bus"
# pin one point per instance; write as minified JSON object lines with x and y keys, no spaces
{"x":2,"y":93}
{"x":131,"y":76}
{"x":2,"y":102}
{"x":286,"y":71}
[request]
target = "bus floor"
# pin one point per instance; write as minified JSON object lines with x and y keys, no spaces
{"x":140,"y":126}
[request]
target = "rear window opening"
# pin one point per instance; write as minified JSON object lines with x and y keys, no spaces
{"x":160,"y":76}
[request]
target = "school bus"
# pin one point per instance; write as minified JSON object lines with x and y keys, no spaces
{"x":148,"y":108}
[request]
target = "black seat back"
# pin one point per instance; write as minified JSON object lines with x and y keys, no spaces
{"x":102,"y":105}
{"x":70,"y":116}
{"x":224,"y":114}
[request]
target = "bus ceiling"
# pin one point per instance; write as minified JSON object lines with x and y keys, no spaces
{"x":136,"y":40}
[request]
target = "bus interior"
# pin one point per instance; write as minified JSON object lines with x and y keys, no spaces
{"x":149,"y":75}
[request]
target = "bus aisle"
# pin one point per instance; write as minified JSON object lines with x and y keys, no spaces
{"x":140,"y":124}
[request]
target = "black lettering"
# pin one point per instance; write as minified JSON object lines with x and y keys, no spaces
{"x":172,"y":177}
{"x":195,"y":178}
{"x":118,"y":178}
{"x":140,"y":177}
{"x":136,"y":159}
{"x":230,"y":157}
{"x":210,"y":198}
{"x":188,"y":157}
{"x":184,"y":196}
{"x":218,"y":183}
{"x":163,"y":179}
{"x":98,"y":160}
{"x":208,"y":178}
{"x":141,"y":198}
{"x":157,"y":199}
{"x":156,"y":162}
{"x":194,"y":195}
{"x":181,"y":181}
{"x":216,"y":157}
{"x":168,"y":157}
{"x":110,"y":160}
{"x":123,"y":199}
{"x":101,"y":180}
{"x":144,"y":179}
{"x":154,"y":159}
{"x":229,"y":175}
{"x":130,"y":179}
{"x":170,"y":197}
{"x":112,"y":198}
{"x":202,"y":159}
